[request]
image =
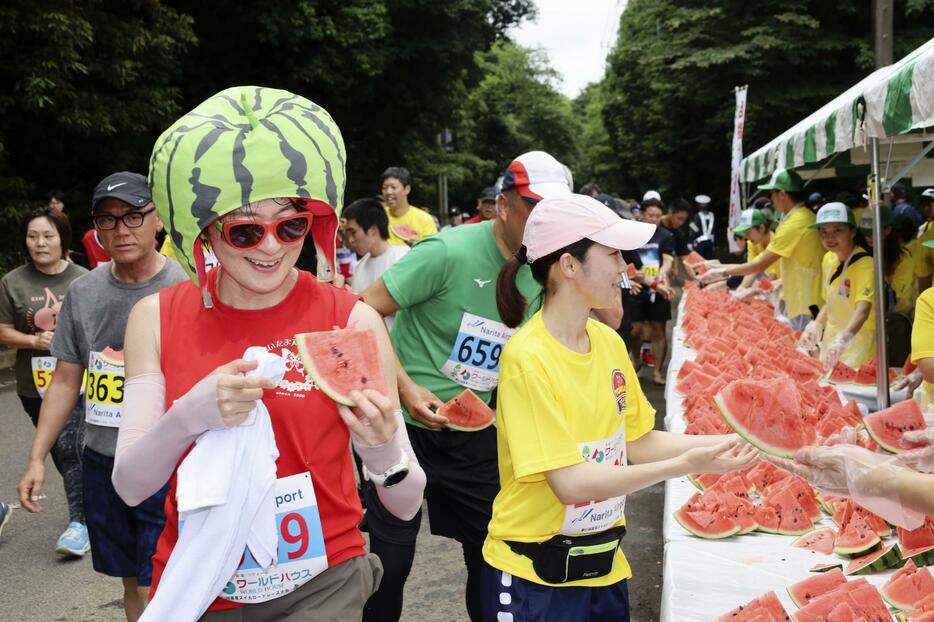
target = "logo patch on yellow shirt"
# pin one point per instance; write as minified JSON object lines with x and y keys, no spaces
{"x":618,"y":380}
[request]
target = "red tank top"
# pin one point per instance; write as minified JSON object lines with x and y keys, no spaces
{"x":309,"y":431}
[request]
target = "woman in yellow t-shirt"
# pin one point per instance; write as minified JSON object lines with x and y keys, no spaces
{"x":897,"y":261}
{"x":845,"y":326}
{"x":756,"y":229}
{"x":574,"y":431}
{"x":922,"y":347}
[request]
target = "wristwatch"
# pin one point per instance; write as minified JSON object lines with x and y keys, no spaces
{"x":391,"y":476}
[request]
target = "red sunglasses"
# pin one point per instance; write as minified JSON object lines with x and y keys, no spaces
{"x":248,"y":234}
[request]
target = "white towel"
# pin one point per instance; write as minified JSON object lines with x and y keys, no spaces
{"x":226,"y":501}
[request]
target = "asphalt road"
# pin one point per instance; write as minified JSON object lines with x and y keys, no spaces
{"x":36,"y":585}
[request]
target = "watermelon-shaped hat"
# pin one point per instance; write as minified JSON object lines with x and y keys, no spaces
{"x":240,"y":146}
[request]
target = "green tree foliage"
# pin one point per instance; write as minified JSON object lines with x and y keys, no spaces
{"x":515,"y":107}
{"x":668,"y":91}
{"x":92,"y":83}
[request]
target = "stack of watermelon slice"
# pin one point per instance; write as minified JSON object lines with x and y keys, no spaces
{"x":864,"y":376}
{"x":831,"y":597}
{"x":911,"y":589}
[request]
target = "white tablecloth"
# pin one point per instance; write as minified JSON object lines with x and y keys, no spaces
{"x":703,"y":579}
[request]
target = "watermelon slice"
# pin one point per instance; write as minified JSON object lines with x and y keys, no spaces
{"x":466,"y":412}
{"x":887,"y":426}
{"x":856,"y":538}
{"x":765,"y":285}
{"x":111,"y":356}
{"x":765,"y":608}
{"x":908,"y":586}
{"x":866,"y":374}
{"x":818,"y":540}
{"x":767,"y":414}
{"x":923,"y":611}
{"x":859,"y":595}
{"x":706,"y":524}
{"x":841,"y":374}
{"x":404,"y":232}
{"x":341,"y":361}
{"x":807,"y":590}
{"x":918,"y":544}
{"x":877,"y":561}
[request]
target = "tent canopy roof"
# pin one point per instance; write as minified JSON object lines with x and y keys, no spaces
{"x":892,"y":101}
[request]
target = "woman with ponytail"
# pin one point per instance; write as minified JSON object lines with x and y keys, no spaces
{"x":574,"y":430}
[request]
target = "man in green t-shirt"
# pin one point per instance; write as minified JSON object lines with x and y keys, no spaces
{"x":448,"y":337}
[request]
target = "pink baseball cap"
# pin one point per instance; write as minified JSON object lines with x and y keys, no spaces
{"x":536,"y":175}
{"x":558,"y":221}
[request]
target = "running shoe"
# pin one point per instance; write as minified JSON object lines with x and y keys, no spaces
{"x":648,"y":358}
{"x":74,"y":541}
{"x":5,"y":513}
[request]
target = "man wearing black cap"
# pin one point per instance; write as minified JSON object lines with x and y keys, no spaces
{"x":486,"y":206}
{"x":455,"y":218}
{"x":89,"y":338}
{"x":901,"y":206}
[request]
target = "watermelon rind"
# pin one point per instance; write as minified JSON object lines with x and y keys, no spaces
{"x":111,"y":356}
{"x":825,"y":567}
{"x":888,"y":557}
{"x":704,"y":534}
{"x":921,"y":556}
{"x":748,"y":436}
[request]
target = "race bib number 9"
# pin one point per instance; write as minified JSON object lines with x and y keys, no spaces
{"x":301,"y":554}
{"x":474,"y":359}
{"x":104,"y":389}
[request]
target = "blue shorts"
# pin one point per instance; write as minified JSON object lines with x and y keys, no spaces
{"x":123,"y":538}
{"x":507,"y":598}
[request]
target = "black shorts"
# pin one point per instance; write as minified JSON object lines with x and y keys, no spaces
{"x":463,"y":480}
{"x":641,"y":308}
{"x":123,"y":538}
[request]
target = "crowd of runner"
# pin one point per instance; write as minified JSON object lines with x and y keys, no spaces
{"x":204,"y":469}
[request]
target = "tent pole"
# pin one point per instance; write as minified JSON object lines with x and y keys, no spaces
{"x":882,"y":365}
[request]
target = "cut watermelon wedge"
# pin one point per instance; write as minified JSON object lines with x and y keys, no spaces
{"x":807,"y":590}
{"x":887,"y":426}
{"x":767,"y":414}
{"x":908,"y":586}
{"x":341,"y":361}
{"x":877,"y":561}
{"x":466,"y":412}
{"x":818,"y":540}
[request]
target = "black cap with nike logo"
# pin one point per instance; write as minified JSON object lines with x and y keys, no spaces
{"x":131,"y":188}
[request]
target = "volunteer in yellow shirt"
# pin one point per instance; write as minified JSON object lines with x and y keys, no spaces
{"x":407,"y":224}
{"x":574,"y":431}
{"x":897,"y":262}
{"x":922,"y":343}
{"x":756,"y":229}
{"x":794,"y":245}
{"x":924,"y":260}
{"x":845,"y":326}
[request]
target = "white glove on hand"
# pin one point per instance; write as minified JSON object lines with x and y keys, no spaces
{"x":811,"y":335}
{"x":921,"y":459}
{"x":857,"y":473}
{"x":911,"y":382}
{"x":743,"y":293}
{"x":712,"y":276}
{"x":835,"y":350}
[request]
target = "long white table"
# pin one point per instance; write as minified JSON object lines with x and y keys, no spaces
{"x":703,"y":579}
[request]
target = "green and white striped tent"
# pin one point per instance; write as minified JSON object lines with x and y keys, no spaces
{"x":894,"y":101}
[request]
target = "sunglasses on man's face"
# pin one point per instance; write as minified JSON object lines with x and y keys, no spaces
{"x":248,"y":234}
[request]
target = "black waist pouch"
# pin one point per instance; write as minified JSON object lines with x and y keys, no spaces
{"x":562,"y":559}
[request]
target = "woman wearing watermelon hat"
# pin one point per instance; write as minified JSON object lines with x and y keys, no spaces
{"x":574,"y":430}
{"x":251,"y":171}
{"x":845,"y":326}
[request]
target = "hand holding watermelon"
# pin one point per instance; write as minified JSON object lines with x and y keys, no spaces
{"x":811,"y":336}
{"x":373,"y":421}
{"x":421,"y":404}
{"x":237,"y":394}
{"x":831,"y":356}
{"x":733,"y":454}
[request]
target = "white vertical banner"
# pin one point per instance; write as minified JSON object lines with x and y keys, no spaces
{"x":739,"y":120}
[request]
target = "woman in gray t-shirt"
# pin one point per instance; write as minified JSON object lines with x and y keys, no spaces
{"x":30,"y":299}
